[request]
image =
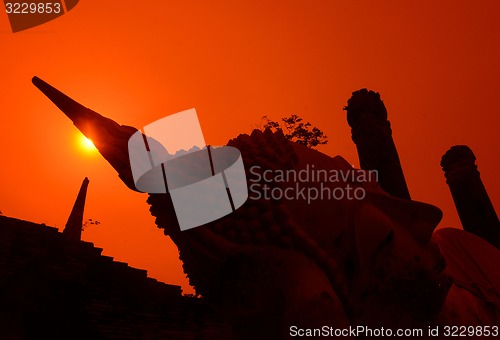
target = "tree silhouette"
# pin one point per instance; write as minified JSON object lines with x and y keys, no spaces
{"x":297,"y":131}
{"x":90,"y":222}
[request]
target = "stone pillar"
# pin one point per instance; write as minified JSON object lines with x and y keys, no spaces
{"x":73,"y":229}
{"x":473,"y":205}
{"x":372,"y":134}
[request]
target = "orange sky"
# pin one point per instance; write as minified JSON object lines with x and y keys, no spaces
{"x":436,"y":65}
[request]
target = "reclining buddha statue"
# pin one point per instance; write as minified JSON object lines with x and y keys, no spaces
{"x":373,"y":260}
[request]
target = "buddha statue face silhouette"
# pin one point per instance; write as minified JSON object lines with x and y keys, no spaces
{"x":399,"y":268}
{"x":381,"y":243}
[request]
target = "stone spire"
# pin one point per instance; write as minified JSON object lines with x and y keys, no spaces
{"x":473,"y":205}
{"x":110,"y":138}
{"x":372,"y":134}
{"x":73,"y":229}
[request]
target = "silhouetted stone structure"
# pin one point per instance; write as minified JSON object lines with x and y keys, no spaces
{"x":110,"y":138}
{"x":472,"y":202}
{"x":372,"y":134}
{"x":338,"y":262}
{"x":54,"y":288}
{"x":73,"y":229}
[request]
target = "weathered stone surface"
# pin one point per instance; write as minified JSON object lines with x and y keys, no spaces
{"x":473,"y":204}
{"x":372,"y":134}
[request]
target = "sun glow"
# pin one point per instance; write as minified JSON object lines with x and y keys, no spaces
{"x":86,"y":144}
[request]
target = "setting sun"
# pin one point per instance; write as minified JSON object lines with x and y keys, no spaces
{"x":86,"y":144}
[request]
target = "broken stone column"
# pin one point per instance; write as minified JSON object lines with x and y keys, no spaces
{"x":372,"y":134}
{"x":73,"y":229}
{"x":472,"y":202}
